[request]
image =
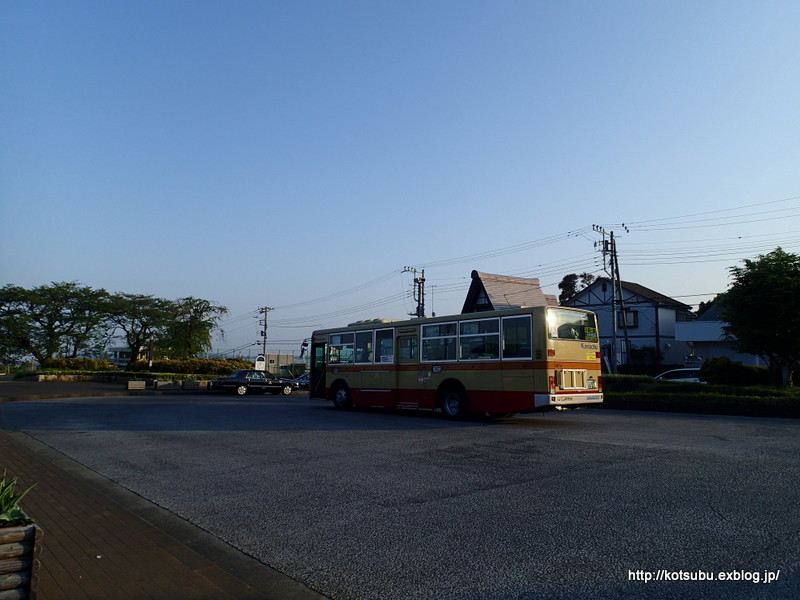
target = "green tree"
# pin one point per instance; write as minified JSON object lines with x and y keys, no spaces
{"x":762,"y":309}
{"x":188,"y":333}
{"x":569,"y":285}
{"x":142,"y":318}
{"x":49,"y":319}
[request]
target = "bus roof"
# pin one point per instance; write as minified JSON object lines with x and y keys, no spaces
{"x":371,"y":323}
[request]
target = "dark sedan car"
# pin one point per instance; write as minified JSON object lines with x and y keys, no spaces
{"x":249,"y":381}
{"x":302,"y":381}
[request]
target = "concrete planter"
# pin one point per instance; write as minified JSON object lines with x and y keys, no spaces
{"x":166,"y":385}
{"x":19,"y":561}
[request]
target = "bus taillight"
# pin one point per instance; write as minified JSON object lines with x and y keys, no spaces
{"x":552,"y":383}
{"x":600,"y":382}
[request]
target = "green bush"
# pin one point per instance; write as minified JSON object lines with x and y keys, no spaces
{"x":193,"y":366}
{"x":625,"y":383}
{"x":79,"y":364}
{"x":722,"y":370}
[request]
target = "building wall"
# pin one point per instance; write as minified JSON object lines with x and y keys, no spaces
{"x":655,"y":326}
{"x":708,"y":340}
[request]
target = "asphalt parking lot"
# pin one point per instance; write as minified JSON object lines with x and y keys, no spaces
{"x":375,"y":505}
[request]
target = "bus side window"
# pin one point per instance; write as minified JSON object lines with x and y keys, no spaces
{"x":384,"y":343}
{"x":517,"y":337}
{"x":364,"y":347}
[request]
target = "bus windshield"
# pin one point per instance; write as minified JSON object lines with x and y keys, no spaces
{"x":571,"y":325}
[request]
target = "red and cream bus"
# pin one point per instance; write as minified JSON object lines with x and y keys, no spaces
{"x":497,"y":363}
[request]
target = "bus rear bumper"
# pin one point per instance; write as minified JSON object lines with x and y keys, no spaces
{"x":545,"y":400}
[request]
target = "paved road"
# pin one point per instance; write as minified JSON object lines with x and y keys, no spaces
{"x":370,"y":505}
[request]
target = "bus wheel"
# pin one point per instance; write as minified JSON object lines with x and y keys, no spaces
{"x":454,"y":403}
{"x":341,"y":397}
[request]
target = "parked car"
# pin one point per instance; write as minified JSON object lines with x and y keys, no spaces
{"x":249,"y":380}
{"x":302,"y":381}
{"x":692,"y":375}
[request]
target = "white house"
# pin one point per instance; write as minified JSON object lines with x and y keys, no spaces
{"x":707,"y":338}
{"x":646,"y":322}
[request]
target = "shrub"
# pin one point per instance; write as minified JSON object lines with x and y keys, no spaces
{"x":625,"y":383}
{"x":722,"y":370}
{"x":79,"y":364}
{"x":193,"y":366}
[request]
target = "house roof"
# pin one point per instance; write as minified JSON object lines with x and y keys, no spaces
{"x":640,"y":290}
{"x":656,"y":297}
{"x":712,"y":314}
{"x":495,"y":292}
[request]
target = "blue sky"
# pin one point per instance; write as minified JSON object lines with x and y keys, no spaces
{"x":299,"y":154}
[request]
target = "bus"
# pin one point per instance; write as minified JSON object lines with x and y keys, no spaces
{"x":496,"y":363}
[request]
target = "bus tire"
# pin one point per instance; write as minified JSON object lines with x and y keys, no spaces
{"x":341,"y":397}
{"x":454,"y":402}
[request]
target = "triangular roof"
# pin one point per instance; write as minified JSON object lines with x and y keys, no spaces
{"x":655,"y":297}
{"x":714,"y":313}
{"x":495,"y":292}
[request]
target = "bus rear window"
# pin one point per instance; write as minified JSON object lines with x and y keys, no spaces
{"x":571,"y":325}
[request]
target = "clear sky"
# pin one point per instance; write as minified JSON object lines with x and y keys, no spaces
{"x":299,"y":154}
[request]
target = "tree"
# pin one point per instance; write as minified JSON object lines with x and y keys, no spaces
{"x":569,"y":285}
{"x":48,"y":319}
{"x":762,"y":309}
{"x":189,"y":331}
{"x":142,"y":318}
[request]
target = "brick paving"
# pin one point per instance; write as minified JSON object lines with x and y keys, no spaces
{"x":103,"y":542}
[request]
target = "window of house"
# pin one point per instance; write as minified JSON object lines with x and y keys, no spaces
{"x":628,"y":318}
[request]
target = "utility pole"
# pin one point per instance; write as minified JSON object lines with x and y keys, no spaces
{"x":264,"y":310}
{"x":419,"y":291}
{"x":609,"y":249}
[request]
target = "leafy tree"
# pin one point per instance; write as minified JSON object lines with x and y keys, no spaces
{"x":189,"y":331}
{"x":142,"y":318}
{"x":762,"y":309}
{"x":47,"y":319}
{"x":569,"y":285}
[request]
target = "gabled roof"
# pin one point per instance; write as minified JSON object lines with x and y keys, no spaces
{"x":496,"y":292}
{"x":656,"y":298}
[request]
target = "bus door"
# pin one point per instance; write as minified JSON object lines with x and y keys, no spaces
{"x":316,"y":387}
{"x":375,"y":377}
{"x":413,"y":382}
